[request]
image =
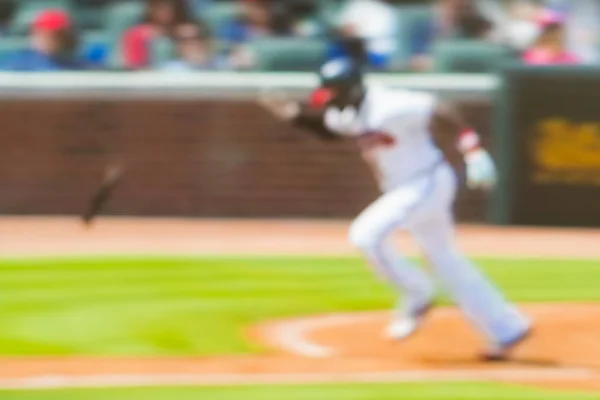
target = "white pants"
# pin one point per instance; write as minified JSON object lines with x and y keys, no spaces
{"x":424,"y":208}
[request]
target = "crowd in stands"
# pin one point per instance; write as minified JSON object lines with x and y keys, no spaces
{"x":196,"y":35}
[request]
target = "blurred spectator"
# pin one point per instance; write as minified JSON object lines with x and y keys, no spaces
{"x":583,"y":27}
{"x":452,"y":19}
{"x":7,"y":11}
{"x":254,"y":22}
{"x":471,"y":24}
{"x":304,"y":19}
{"x":161,"y":19}
{"x":521,"y":27}
{"x":372,"y":21}
{"x":281,"y":19}
{"x":54,"y":44}
{"x":265,"y":18}
{"x":194,"y":50}
{"x":445,"y":24}
{"x":550,"y":47}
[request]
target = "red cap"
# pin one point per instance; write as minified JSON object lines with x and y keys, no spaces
{"x":52,"y":20}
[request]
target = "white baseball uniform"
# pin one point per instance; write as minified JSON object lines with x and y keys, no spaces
{"x":392,"y":130}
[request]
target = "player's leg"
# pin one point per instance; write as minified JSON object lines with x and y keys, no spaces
{"x":477,"y":296}
{"x":371,"y":232}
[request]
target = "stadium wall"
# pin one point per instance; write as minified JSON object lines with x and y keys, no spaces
{"x":190,"y":148}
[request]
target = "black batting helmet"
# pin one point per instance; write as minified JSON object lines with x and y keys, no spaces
{"x":341,"y":80}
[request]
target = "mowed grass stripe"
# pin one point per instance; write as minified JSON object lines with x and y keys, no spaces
{"x":239,"y":277}
{"x":200,"y":306}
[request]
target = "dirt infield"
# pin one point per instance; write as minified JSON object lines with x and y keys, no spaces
{"x":36,"y":236}
{"x":345,"y":348}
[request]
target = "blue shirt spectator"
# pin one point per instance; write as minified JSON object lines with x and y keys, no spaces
{"x":450,"y":19}
{"x":238,"y":32}
{"x":96,"y":53}
{"x":422,"y":37}
{"x":254,"y":22}
{"x":53,"y":45}
{"x":32,"y":60}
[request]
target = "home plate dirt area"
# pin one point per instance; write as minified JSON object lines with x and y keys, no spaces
{"x":562,"y":352}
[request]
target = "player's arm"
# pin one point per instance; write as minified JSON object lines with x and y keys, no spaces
{"x":302,"y":116}
{"x":481,"y":172}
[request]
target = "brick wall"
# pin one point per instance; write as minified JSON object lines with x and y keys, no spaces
{"x":183,"y":157}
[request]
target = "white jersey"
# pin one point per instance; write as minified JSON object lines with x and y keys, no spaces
{"x":392,"y":132}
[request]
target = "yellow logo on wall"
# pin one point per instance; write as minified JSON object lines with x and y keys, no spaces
{"x":566,"y":152}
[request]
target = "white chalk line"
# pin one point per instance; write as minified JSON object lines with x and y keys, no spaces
{"x":293,"y":336}
{"x":517,"y":375}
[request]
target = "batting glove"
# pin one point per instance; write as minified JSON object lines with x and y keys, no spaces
{"x":343,"y":121}
{"x":481,"y":172}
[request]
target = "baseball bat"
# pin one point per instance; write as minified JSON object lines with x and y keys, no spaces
{"x":112,"y":178}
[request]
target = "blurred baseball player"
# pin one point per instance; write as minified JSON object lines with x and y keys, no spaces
{"x":391,"y":129}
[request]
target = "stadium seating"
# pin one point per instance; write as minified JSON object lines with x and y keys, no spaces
{"x":90,"y":16}
{"x":328,"y":10}
{"x":103,"y":27}
{"x":470,"y":56}
{"x":162,"y":51}
{"x":289,"y":54}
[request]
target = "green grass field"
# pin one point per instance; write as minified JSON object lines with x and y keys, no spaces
{"x":407,"y":391}
{"x":183,"y":306}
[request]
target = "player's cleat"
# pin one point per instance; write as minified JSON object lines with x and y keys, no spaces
{"x":409,"y":323}
{"x":502,"y":351}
